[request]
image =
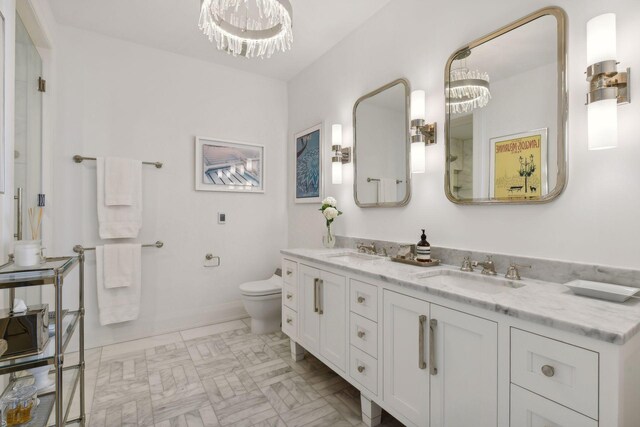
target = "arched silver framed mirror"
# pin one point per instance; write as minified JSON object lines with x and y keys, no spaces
{"x":381,"y":147}
{"x":506,"y":114}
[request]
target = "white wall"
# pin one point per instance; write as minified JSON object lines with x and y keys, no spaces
{"x":123,"y":99}
{"x":594,"y":221}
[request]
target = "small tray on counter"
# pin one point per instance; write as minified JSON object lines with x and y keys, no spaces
{"x":431,"y":263}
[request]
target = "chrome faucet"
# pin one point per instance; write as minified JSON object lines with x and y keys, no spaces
{"x":488,"y":267}
{"x":466,"y":264}
{"x":513,"y":273}
{"x":367,"y":249}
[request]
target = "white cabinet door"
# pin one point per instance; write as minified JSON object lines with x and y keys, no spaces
{"x":333,"y":319}
{"x":464,"y":387}
{"x":308,"y":318}
{"x":406,"y":375}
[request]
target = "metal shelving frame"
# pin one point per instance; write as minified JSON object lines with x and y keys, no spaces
{"x":52,"y":272}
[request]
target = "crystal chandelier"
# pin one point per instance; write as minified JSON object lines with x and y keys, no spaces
{"x":467,"y":89}
{"x":249,"y":28}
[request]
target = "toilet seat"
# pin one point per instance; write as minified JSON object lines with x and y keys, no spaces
{"x":271,"y":286}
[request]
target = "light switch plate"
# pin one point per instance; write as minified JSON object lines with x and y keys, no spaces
{"x":222,"y":218}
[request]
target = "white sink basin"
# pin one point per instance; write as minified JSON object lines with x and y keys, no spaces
{"x":353,"y":257}
{"x":469,"y":281}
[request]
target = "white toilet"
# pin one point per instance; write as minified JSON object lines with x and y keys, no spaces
{"x":263,"y":302}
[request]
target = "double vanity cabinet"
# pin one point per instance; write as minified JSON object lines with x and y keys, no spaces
{"x":449,"y":349}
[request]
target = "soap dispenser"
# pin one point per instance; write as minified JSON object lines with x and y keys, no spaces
{"x":423,"y":249}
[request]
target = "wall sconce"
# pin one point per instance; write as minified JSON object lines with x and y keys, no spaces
{"x":608,"y":88}
{"x":422,"y":133}
{"x":340,"y":155}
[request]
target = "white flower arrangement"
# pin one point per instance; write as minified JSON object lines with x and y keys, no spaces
{"x":329,"y":210}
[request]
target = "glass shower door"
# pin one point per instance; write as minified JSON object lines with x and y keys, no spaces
{"x":28,"y":141}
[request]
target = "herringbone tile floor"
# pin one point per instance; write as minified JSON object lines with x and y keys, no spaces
{"x":220,"y":375}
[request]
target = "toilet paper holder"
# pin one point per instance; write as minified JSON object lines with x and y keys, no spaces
{"x":211,"y":257}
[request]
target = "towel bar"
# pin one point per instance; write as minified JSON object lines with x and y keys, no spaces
{"x":80,"y":249}
{"x":398,"y":181}
{"x":79,"y":159}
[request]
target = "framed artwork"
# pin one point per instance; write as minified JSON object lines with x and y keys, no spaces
{"x":519,"y":165}
{"x":308,"y":165}
{"x":229,"y":166}
{"x":2,"y":115}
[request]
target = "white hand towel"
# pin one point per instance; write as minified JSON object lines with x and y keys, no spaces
{"x":119,"y":181}
{"x":387,"y":191}
{"x":118,"y":304}
{"x":119,"y":221}
{"x":118,"y":265}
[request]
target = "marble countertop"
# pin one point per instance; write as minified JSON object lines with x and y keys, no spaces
{"x":545,"y":303}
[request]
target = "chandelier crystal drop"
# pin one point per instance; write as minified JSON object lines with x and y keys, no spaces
{"x":249,"y":28}
{"x":467,"y":90}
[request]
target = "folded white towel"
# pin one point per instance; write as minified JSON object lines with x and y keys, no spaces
{"x":118,"y":304}
{"x":119,"y":181}
{"x":387,"y":191}
{"x":119,"y":221}
{"x":118,"y":264}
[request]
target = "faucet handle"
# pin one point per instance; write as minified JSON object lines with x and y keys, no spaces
{"x":466,"y":264}
{"x":513,"y":273}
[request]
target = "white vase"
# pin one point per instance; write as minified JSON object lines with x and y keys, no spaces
{"x":41,"y":377}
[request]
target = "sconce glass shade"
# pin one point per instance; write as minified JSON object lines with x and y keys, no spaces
{"x":336,"y":135}
{"x":418,"y":105}
{"x":336,"y":172}
{"x":601,"y":39}
{"x":418,"y":157}
{"x":603,"y":124}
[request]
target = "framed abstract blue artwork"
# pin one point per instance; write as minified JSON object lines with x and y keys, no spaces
{"x":308,"y":165}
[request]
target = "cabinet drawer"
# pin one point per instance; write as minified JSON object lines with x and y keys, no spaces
{"x":363,"y":299}
{"x":364,"y":369}
{"x":290,"y":297}
{"x":290,"y":272}
{"x":530,"y":410}
{"x":290,"y":322}
{"x":364,"y":334}
{"x":558,"y":371}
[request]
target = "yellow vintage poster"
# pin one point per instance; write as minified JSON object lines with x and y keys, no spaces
{"x":518,"y":166}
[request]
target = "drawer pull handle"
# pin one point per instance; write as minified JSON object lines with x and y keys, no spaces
{"x":361,"y":300}
{"x":361,"y":369}
{"x":421,"y":362}
{"x":315,"y":295}
{"x":289,"y":296}
{"x":548,"y":371}
{"x":361,"y":334}
{"x":289,"y":272}
{"x":289,"y":320}
{"x":433,"y":370}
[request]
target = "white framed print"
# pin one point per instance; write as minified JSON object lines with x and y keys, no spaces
{"x":308,"y":165}
{"x":230,"y":166}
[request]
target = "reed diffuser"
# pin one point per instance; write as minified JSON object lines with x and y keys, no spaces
{"x":35,"y":222}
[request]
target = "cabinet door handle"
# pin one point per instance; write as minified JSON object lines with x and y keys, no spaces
{"x":421,"y":362}
{"x":315,"y":295}
{"x":548,"y":371}
{"x":433,"y":370}
{"x":361,"y":369}
{"x":289,"y":296}
{"x":360,"y":334}
{"x":320,"y":298}
{"x":361,"y":300}
{"x":289,"y":320}
{"x":289,"y":272}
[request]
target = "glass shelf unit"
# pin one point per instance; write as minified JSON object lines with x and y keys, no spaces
{"x":55,"y":404}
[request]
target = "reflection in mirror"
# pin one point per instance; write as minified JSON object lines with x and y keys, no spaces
{"x":381,"y":147}
{"x":506,"y":114}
